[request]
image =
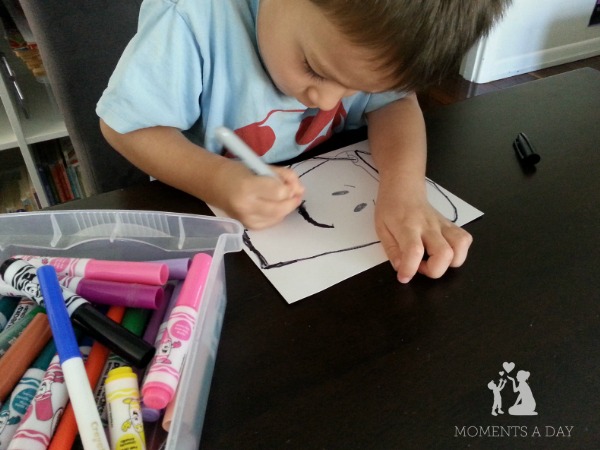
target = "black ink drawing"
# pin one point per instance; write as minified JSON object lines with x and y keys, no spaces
{"x":337,"y":213}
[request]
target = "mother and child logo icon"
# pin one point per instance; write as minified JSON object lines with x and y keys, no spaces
{"x":525,"y":403}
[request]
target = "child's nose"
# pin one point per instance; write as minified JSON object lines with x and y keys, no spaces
{"x":328,"y":96}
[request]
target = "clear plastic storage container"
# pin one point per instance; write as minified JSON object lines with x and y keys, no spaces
{"x":144,"y":236}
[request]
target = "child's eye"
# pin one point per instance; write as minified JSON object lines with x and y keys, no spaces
{"x":311,"y":72}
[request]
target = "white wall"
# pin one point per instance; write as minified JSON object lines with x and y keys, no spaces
{"x":534,"y":34}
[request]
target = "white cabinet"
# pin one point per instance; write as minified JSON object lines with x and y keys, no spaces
{"x":44,"y":121}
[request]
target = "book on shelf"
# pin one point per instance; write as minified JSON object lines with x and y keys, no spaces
{"x":58,"y":168}
{"x":73,"y":167}
{"x":16,"y":191}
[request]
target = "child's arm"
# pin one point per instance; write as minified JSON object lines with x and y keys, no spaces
{"x":406,"y":223}
{"x":166,"y":154}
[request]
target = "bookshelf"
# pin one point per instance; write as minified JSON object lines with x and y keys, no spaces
{"x":42,"y":123}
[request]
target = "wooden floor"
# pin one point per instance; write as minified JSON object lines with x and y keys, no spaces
{"x":457,"y":88}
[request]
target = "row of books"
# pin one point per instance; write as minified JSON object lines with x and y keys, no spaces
{"x":60,"y":174}
{"x":59,"y":170}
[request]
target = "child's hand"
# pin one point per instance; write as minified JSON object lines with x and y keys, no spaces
{"x":409,"y":227}
{"x":259,"y":201}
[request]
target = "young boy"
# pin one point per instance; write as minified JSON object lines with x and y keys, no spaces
{"x":286,"y":75}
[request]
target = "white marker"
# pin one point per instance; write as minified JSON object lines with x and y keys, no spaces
{"x":240,"y":149}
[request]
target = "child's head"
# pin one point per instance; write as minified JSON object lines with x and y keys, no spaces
{"x":319,"y":51}
{"x":419,"y":41}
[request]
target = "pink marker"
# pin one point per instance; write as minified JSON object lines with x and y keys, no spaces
{"x":97,"y":269}
{"x":165,"y":369}
{"x":131,"y":295}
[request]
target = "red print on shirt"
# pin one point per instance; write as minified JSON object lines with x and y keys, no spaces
{"x":311,"y":128}
{"x":261,"y":137}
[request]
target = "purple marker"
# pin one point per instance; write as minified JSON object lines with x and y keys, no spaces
{"x":165,"y":368}
{"x":161,"y":315}
{"x":131,"y":295}
{"x":97,"y":269}
{"x":178,"y":267}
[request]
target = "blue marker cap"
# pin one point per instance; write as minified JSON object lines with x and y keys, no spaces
{"x":62,"y":330}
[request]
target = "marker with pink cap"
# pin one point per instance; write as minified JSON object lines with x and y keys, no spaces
{"x":165,"y":369}
{"x":98,"y":269}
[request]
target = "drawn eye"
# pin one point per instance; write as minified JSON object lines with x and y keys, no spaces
{"x":360,"y":207}
{"x":339,"y":193}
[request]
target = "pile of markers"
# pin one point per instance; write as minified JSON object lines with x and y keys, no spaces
{"x":91,"y":351}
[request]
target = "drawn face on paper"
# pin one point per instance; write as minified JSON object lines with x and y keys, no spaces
{"x":338,"y":211}
{"x":346,"y":198}
{"x":337,"y":214}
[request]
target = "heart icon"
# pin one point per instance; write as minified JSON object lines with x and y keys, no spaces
{"x":508,"y":366}
{"x":501,"y":372}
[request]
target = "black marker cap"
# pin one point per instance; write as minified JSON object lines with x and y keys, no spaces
{"x":5,"y":265}
{"x":113,"y":336}
{"x":525,"y":150}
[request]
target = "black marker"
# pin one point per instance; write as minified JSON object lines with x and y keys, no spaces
{"x":525,"y":151}
{"x":22,"y":276}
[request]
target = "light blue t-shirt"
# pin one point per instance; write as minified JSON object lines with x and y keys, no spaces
{"x":195,"y":65}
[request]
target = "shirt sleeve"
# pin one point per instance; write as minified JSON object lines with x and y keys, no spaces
{"x":158,"y":80}
{"x":380,"y":100}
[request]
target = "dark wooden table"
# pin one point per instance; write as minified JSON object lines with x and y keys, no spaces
{"x":372,"y":364}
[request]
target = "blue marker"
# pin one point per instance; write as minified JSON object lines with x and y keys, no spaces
{"x":80,"y":392}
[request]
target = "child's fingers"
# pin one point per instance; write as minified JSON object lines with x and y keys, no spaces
{"x":266,"y":214}
{"x":460,"y":241}
{"x":445,"y":248}
{"x":448,"y":249}
{"x":439,"y":256}
{"x":404,"y":251}
{"x":291,"y":180}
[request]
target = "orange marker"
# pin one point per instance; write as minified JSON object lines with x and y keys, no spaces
{"x":22,"y":353}
{"x":66,"y":432}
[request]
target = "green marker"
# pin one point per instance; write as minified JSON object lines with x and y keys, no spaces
{"x":136,"y":319}
{"x":7,"y":307}
{"x":8,"y":337}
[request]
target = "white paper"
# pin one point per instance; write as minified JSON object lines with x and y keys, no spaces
{"x":335,"y":236}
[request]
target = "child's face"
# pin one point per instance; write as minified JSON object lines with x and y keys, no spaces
{"x":309,"y":59}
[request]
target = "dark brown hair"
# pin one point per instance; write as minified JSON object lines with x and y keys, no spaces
{"x":417,"y":41}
